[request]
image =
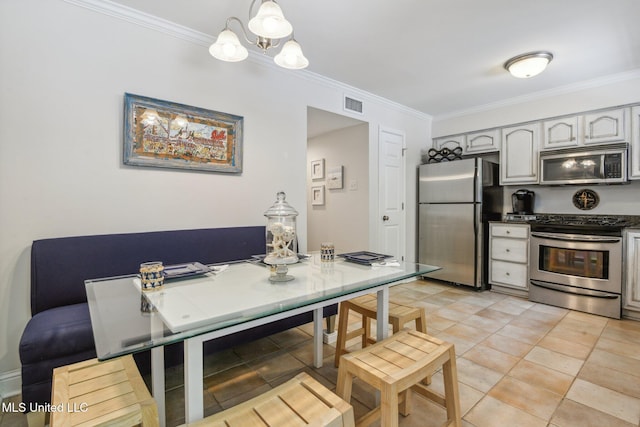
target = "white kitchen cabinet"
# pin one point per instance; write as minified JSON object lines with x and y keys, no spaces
{"x":483,"y":142}
{"x":562,"y":133}
{"x":631,"y":296}
{"x":519,"y":154}
{"x":606,"y":126}
{"x":450,"y":142}
{"x":509,"y":258}
{"x":634,"y":153}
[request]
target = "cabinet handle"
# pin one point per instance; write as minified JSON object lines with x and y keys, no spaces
{"x":508,"y":231}
{"x":508,"y":250}
{"x":508,"y":274}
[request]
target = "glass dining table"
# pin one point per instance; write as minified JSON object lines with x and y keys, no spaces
{"x":228,"y":299}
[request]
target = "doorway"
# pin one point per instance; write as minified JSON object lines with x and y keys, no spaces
{"x":338,"y":182}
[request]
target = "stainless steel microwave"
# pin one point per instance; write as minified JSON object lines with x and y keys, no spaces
{"x":604,"y":164}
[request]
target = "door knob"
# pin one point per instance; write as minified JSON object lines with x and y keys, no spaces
{"x":385,"y":218}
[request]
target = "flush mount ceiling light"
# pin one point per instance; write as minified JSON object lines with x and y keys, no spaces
{"x":528,"y":64}
{"x":270,"y":27}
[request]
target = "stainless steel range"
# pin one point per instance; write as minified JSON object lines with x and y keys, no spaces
{"x":576,"y":261}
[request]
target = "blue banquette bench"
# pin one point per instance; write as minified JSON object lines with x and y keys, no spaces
{"x":59,"y":332}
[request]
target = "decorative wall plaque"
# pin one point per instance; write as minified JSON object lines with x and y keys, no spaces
{"x":585,"y":199}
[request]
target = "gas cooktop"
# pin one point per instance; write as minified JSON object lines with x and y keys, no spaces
{"x":576,"y":223}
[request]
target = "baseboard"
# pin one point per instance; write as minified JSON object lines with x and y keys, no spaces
{"x":10,"y":383}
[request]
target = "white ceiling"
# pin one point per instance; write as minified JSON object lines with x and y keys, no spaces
{"x":443,"y":57}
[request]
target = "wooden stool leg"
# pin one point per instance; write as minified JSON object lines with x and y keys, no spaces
{"x":343,"y":323}
{"x":389,"y":406}
{"x":366,"y":326}
{"x":421,"y":322}
{"x":451,"y":393}
{"x":405,"y":402}
{"x":344,"y":384}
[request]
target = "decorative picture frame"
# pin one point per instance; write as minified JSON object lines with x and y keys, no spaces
{"x":317,"y":195}
{"x":317,"y":169}
{"x":166,"y":134}
{"x":334,"y":178}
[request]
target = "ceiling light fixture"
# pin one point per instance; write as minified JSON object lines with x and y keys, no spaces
{"x":270,"y":26}
{"x":528,"y":64}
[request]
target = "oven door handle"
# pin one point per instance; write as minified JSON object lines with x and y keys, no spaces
{"x":573,"y":290}
{"x":575,"y":237}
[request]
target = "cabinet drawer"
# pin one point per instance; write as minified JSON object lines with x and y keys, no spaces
{"x":515,"y":250}
{"x":518,"y":232}
{"x":509,"y":274}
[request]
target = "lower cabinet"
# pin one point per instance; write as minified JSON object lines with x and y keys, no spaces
{"x":631,"y":296}
{"x":509,"y":258}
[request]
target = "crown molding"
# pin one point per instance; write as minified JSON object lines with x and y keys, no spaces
{"x":562,"y":90}
{"x":146,"y":20}
{"x":143,"y":19}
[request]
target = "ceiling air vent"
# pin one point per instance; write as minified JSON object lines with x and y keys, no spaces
{"x":353,"y":105}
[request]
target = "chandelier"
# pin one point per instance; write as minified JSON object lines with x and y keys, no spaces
{"x":269,"y":27}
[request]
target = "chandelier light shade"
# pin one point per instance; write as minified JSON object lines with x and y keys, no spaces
{"x":528,"y":64}
{"x":291,"y":56}
{"x":267,"y":30}
{"x":228,"y":48}
{"x":270,"y":22}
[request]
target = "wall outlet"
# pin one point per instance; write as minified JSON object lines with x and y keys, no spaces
{"x":353,"y":184}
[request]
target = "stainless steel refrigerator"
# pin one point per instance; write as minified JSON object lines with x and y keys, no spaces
{"x":456,"y":200}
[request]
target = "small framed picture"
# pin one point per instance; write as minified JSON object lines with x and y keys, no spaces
{"x":317,"y":169}
{"x":334,"y":177}
{"x":317,"y":195}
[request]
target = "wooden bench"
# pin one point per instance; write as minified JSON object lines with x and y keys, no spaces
{"x":93,"y":393}
{"x":301,"y":401}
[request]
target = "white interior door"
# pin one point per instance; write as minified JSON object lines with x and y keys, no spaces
{"x":391,"y":213}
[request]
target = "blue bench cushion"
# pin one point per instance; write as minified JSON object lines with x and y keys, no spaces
{"x":57,"y":333}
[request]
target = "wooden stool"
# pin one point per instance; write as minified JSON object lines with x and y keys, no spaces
{"x":300,"y":401}
{"x":396,"y":366}
{"x":367,"y":306}
{"x":94,"y":393}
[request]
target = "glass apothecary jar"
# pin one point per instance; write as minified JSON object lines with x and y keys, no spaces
{"x":282,"y":241}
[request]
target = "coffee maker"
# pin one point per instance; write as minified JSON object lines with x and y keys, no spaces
{"x":522,"y":202}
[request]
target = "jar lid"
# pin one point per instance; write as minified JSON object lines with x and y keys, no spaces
{"x":281,"y":207}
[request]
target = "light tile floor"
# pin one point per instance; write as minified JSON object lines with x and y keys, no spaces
{"x":519,"y":364}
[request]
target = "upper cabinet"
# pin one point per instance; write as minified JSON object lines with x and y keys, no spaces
{"x":450,"y":142}
{"x":483,"y":142}
{"x":471,"y":143}
{"x":634,"y":152}
{"x":520,"y":145}
{"x":561,"y":133}
{"x":602,"y":127}
{"x":606,"y":126}
{"x":519,"y":154}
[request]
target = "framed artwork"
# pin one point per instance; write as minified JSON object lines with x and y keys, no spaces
{"x":317,"y":169}
{"x":334,"y":178}
{"x":168,"y":135}
{"x":317,"y":195}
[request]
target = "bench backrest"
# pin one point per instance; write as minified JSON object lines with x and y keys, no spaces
{"x":59,"y":266}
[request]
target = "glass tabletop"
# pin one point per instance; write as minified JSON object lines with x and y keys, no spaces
{"x":126,"y":319}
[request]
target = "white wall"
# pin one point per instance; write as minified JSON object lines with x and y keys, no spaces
{"x":343,"y":219}
{"x":63,"y":74}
